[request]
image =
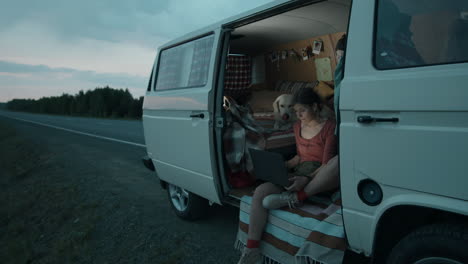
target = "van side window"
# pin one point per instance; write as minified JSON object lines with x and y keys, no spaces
{"x":185,"y":65}
{"x":410,"y":34}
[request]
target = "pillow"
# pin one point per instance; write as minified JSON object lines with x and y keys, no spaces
{"x":262,"y":101}
{"x":323,"y":90}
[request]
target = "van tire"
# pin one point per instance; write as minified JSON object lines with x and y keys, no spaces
{"x":185,"y":204}
{"x":441,"y":243}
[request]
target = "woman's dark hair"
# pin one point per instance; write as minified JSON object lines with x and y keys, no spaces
{"x":307,"y":96}
{"x":341,"y":44}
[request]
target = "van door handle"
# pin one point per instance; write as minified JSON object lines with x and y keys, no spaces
{"x":201,"y":115}
{"x":370,"y":119}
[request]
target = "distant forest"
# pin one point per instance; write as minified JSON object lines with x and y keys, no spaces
{"x":100,"y":102}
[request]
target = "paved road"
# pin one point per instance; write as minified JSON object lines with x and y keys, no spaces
{"x":125,"y":130}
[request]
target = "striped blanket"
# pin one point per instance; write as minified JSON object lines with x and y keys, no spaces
{"x":312,"y":233}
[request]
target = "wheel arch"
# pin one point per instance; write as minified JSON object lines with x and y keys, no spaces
{"x":398,"y":221}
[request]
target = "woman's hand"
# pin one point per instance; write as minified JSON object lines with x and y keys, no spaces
{"x":299,"y":182}
{"x":292,"y":162}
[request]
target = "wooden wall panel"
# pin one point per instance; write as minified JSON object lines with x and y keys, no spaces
{"x":292,"y":69}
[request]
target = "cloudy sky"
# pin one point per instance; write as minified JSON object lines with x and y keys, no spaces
{"x":50,"y":47}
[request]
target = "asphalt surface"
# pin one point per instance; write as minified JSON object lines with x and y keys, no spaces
{"x":137,"y":223}
{"x":125,"y":130}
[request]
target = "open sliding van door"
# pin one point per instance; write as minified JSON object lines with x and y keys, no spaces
{"x":177,"y":122}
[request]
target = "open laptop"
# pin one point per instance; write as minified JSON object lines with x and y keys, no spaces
{"x":270,"y":167}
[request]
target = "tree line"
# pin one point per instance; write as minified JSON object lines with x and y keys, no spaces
{"x":100,"y":102}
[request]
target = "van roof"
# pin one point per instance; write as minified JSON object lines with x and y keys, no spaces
{"x":228,"y":20}
{"x":329,"y":16}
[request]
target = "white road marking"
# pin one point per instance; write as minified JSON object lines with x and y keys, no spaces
{"x":79,"y":132}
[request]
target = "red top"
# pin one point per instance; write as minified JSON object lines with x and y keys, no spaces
{"x":322,"y":147}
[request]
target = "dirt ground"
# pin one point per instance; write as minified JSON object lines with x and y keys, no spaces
{"x":72,"y":199}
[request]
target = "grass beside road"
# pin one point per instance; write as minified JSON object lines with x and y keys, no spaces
{"x":43,"y":217}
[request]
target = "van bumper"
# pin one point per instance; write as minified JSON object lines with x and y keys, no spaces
{"x":148,"y":163}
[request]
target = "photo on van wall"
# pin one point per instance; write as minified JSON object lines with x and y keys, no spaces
{"x":284,"y":54}
{"x":305,"y":56}
{"x":323,"y":69}
{"x":317,"y":46}
{"x":294,"y":54}
{"x":274,"y":56}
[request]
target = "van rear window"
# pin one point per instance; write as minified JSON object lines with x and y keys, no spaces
{"x":420,"y":33}
{"x":185,"y":65}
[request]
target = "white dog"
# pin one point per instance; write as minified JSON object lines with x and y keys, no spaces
{"x":284,"y":112}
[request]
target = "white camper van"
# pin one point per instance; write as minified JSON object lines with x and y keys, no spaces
{"x":403,"y":115}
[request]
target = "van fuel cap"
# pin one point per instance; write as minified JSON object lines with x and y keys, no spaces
{"x":370,"y":192}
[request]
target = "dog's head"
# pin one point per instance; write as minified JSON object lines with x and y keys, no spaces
{"x":283,"y":107}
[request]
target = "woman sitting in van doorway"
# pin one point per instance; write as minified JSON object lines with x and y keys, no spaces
{"x":326,"y":177}
{"x":316,"y":152}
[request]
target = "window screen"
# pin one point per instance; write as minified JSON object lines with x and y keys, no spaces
{"x":420,"y":32}
{"x":185,"y":65}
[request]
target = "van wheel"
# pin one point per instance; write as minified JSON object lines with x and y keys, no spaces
{"x":440,"y":243}
{"x":185,"y":204}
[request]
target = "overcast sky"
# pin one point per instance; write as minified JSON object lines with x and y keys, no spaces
{"x":50,"y":47}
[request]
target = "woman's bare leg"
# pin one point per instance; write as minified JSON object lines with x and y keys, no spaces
{"x":258,"y":214}
{"x":327,"y":178}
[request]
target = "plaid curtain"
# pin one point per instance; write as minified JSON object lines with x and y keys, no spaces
{"x":238,"y":76}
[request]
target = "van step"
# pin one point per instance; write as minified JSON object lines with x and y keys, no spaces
{"x":239,"y":192}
